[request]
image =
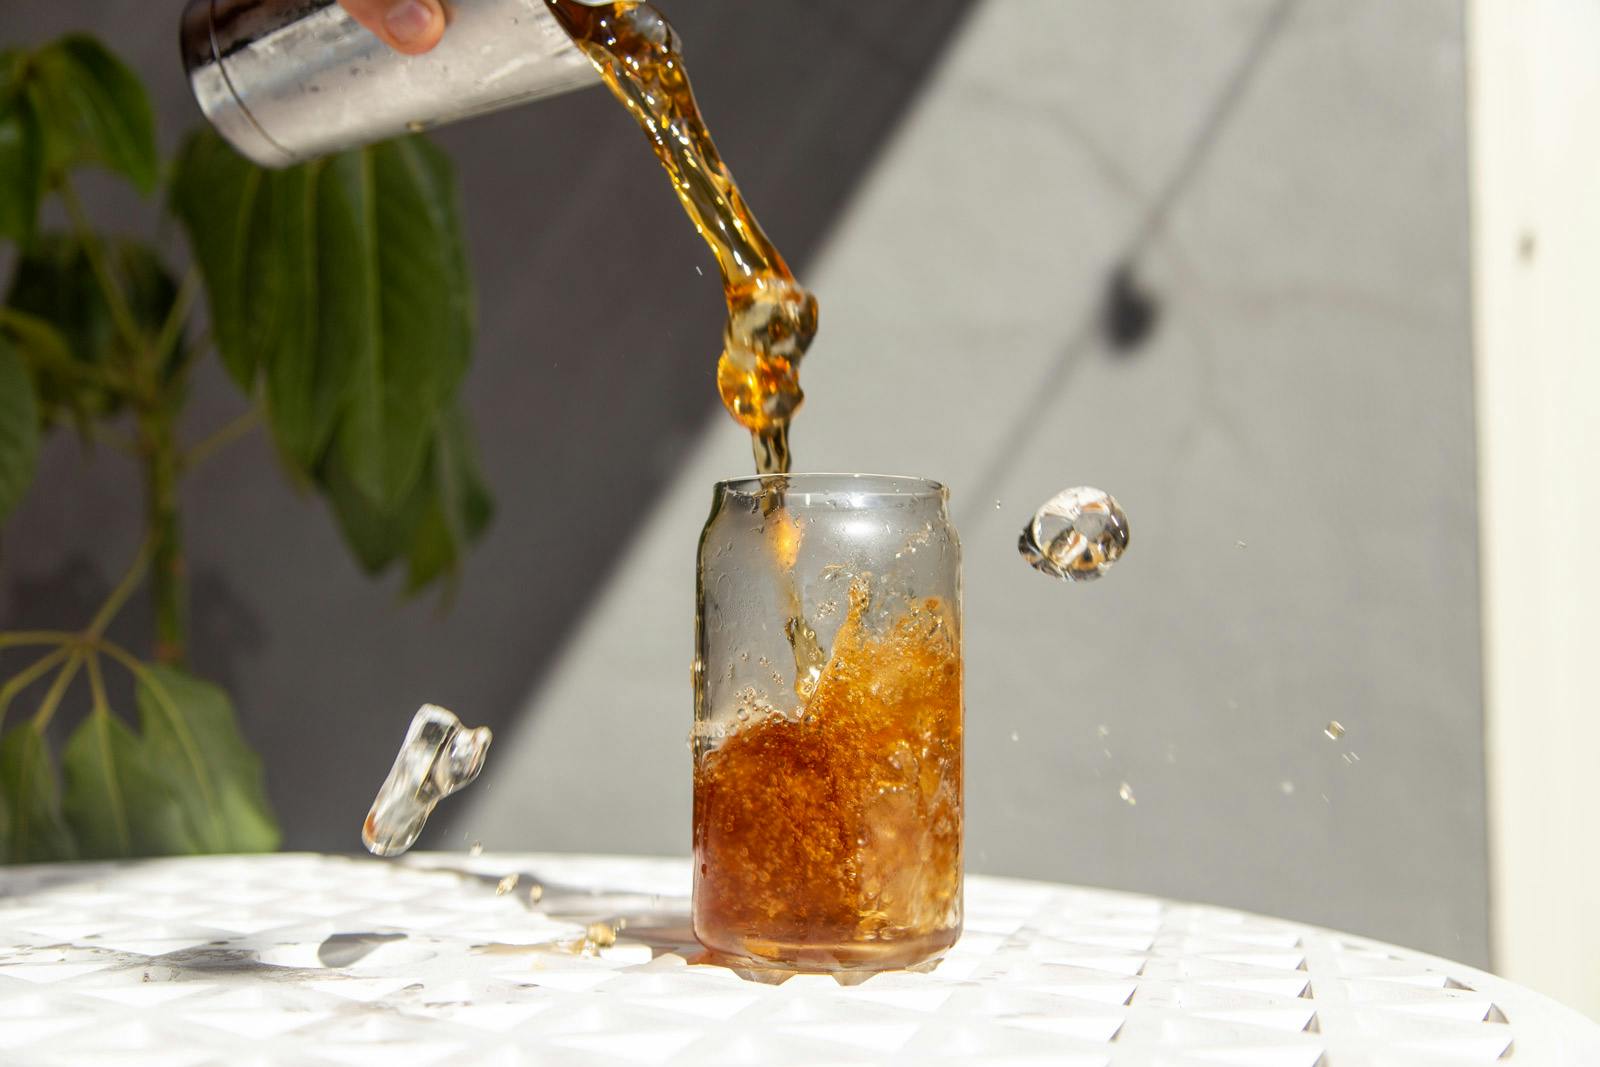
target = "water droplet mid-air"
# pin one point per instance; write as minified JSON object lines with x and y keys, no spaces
{"x":1076,"y":536}
{"x":1334,"y":730}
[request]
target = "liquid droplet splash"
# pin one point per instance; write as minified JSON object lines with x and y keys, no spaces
{"x":1076,"y":536}
{"x":438,"y":757}
{"x":1125,"y":791}
{"x":1334,"y":730}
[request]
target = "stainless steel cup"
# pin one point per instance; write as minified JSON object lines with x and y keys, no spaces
{"x":289,"y":80}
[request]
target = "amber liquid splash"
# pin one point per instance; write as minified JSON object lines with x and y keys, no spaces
{"x":831,"y":840}
{"x":771,"y":319}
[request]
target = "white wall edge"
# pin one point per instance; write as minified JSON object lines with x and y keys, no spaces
{"x":1534,"y":98}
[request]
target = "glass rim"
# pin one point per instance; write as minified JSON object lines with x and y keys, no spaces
{"x":835,"y":482}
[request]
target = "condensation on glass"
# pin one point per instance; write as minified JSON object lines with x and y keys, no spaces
{"x":827,"y":741}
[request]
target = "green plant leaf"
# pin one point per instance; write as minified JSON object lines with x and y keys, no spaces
{"x":19,"y":427}
{"x":290,"y":290}
{"x":214,"y":195}
{"x":35,"y":832}
{"x":444,"y":514}
{"x":113,"y":799}
{"x":344,"y":284}
{"x":63,"y":384}
{"x":21,"y":161}
{"x":93,"y":109}
{"x":423,"y":314}
{"x":459,"y":510}
{"x":192,"y":742}
{"x":375,"y":535}
{"x":54,"y":284}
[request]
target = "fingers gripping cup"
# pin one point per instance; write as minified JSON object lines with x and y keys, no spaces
{"x":828,"y":724}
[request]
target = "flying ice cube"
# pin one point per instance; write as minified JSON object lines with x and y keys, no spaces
{"x":439,"y":756}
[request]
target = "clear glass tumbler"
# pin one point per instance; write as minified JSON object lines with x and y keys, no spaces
{"x":828,"y":723}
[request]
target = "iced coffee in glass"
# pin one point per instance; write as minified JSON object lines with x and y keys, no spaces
{"x":828,"y":724}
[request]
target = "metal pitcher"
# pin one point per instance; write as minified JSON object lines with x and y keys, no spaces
{"x":289,"y":80}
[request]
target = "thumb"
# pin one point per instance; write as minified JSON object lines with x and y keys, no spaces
{"x":409,"y":26}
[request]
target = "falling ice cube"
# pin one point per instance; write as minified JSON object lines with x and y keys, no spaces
{"x":1076,"y":535}
{"x":439,"y":757}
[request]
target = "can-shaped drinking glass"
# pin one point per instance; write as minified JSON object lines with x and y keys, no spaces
{"x":827,"y":740}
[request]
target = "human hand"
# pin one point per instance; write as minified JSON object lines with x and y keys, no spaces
{"x":408,"y":26}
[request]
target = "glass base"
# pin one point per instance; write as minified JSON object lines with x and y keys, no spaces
{"x":837,"y":958}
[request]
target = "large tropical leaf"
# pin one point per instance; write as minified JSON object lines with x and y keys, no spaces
{"x":21,"y":155}
{"x":459,"y":506}
{"x":113,"y":798}
{"x":418,"y":313}
{"x":446,"y":512}
{"x":19,"y":427}
{"x":54,"y":283}
{"x":34,"y":831}
{"x":192,"y":742}
{"x":93,"y":110}
{"x":64,"y":385}
{"x":214,"y":192}
{"x":376,"y":535}
{"x":342,"y":285}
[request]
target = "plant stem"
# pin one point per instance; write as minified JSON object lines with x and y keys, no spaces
{"x":99,"y":705}
{"x":23,"y":638}
{"x":230,"y":432}
{"x":58,"y":689}
{"x":168,"y":581}
{"x":100,"y":717}
{"x":27,"y":676}
{"x":177,"y":316}
{"x":120,"y":313}
{"x":119,"y":596}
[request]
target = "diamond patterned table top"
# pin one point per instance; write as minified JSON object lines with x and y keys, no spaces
{"x":327,"y":960}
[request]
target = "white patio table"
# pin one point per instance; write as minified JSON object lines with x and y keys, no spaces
{"x":330,"y":960}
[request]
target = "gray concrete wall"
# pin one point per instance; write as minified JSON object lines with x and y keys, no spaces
{"x":1292,"y":439}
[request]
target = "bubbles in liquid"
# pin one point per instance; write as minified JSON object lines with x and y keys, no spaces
{"x":1334,"y":730}
{"x":1076,"y":536}
{"x":438,"y":757}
